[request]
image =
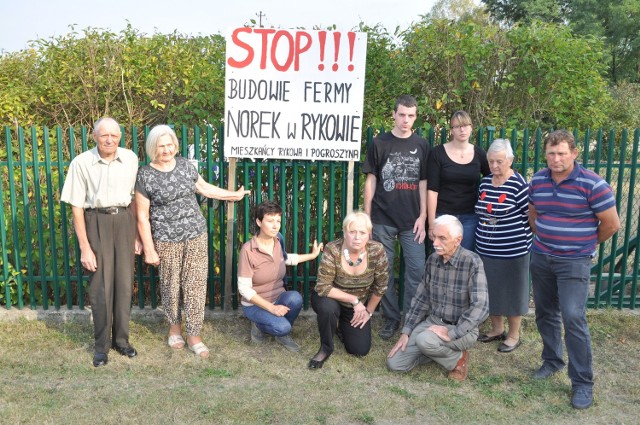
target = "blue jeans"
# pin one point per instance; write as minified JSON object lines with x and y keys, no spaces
{"x":272,"y":324}
{"x":469,"y":223}
{"x":560,"y":291}
{"x":414,"y":259}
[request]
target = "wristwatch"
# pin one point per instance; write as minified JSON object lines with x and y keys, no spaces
{"x":357,"y":302}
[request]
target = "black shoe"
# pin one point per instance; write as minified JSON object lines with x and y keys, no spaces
{"x":390,"y":327}
{"x":487,"y":338}
{"x":100,"y":359}
{"x":504,"y":348}
{"x":317,"y":364}
{"x":128,"y":351}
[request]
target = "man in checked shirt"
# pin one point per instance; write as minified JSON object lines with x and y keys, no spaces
{"x":449,"y":305}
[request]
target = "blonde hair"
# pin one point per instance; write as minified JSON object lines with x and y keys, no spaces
{"x":462,"y":117}
{"x":151,"y":145}
{"x":355,"y":216}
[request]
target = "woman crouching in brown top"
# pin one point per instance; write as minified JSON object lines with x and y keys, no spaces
{"x":352,"y":278}
{"x":261,"y":271}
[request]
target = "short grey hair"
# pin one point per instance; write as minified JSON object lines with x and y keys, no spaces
{"x":151,"y":146}
{"x":502,"y":145}
{"x":452,"y":223}
{"x":354,"y":216}
{"x":97,"y":124}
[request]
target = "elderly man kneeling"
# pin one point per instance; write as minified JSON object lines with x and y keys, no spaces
{"x":450,"y":303}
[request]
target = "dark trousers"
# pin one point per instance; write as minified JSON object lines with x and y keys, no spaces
{"x":330,"y":314}
{"x":111,"y":237}
{"x":560,"y":292}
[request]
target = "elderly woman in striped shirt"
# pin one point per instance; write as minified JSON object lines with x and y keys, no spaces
{"x":503,"y":241}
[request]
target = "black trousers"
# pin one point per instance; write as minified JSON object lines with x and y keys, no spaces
{"x":111,"y":237}
{"x":331,"y":314}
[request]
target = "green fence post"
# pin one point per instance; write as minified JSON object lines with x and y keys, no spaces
{"x":53,"y":230}
{"x":64,"y":219}
{"x":619,"y":190}
{"x":15,"y":231}
{"x":3,"y":242}
{"x":636,"y":258}
{"x":27,"y":216}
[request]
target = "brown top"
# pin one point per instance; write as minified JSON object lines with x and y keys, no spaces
{"x":265,"y":271}
{"x":373,"y":280}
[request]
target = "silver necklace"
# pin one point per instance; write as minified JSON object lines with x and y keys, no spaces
{"x":353,"y":263}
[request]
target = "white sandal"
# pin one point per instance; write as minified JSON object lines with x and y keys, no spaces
{"x":176,"y":342}
{"x":200,"y":349}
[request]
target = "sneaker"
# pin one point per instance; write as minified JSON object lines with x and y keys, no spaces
{"x":288,"y":343}
{"x":582,"y":398}
{"x":257,"y":336}
{"x":389,"y":329}
{"x":544,"y":372}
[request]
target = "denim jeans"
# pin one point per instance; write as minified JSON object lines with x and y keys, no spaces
{"x":272,"y":324}
{"x":560,"y":291}
{"x":414,"y":259}
{"x":469,"y":223}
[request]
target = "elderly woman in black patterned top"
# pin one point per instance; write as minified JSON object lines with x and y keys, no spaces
{"x":173,"y":233}
{"x":352,"y":278}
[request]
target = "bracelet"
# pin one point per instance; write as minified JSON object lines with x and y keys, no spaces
{"x":370,"y":313}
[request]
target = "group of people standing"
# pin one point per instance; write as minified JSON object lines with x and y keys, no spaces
{"x":490,"y":230}
{"x":488,"y":227}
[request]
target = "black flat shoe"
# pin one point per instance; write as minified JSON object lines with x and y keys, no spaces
{"x":317,"y":364}
{"x":487,"y":338}
{"x":100,"y":359}
{"x":504,"y":348}
{"x":128,"y":351}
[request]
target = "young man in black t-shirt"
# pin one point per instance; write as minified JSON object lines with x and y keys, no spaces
{"x":395,"y":197}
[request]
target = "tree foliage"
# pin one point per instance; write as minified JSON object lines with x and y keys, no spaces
{"x":617,"y":21}
{"x":527,"y":75}
{"x":455,"y":10}
{"x":538,"y":74}
{"x":76,"y":78}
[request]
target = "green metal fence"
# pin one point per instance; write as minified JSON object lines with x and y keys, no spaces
{"x":39,"y":264}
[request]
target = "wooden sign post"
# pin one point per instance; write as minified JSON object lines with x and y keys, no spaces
{"x":230,"y":238}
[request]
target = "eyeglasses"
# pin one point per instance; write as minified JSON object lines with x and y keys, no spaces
{"x":458,"y":127}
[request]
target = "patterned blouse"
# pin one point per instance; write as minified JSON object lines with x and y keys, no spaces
{"x":373,"y":280}
{"x":174,"y":212}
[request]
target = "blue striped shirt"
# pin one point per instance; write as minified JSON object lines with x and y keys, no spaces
{"x":567,"y":225}
{"x":503,"y":229}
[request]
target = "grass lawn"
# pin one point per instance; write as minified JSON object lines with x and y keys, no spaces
{"x":46,"y":377}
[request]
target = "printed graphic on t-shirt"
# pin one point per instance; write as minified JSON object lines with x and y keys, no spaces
{"x":400,"y":172}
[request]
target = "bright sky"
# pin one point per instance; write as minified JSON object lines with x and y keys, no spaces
{"x":24,"y":20}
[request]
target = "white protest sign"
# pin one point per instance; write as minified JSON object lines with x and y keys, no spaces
{"x":294,"y":94}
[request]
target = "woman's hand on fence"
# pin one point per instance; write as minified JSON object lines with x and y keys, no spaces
{"x":317,"y":248}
